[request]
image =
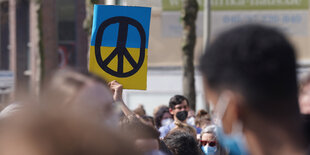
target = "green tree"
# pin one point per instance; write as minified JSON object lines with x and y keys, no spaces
{"x":189,"y":15}
{"x":89,"y":15}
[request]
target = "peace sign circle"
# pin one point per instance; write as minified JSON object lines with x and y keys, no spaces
{"x":120,"y":51}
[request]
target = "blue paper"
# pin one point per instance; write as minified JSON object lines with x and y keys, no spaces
{"x":103,"y":13}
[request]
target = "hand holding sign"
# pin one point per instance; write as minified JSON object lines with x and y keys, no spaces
{"x":117,"y":90}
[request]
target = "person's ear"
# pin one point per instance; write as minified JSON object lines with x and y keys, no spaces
{"x":171,"y":111}
{"x":231,"y":115}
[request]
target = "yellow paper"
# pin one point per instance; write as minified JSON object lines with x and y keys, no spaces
{"x":136,"y":81}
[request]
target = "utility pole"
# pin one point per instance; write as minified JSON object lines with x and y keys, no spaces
{"x":206,"y":24}
{"x":18,"y":43}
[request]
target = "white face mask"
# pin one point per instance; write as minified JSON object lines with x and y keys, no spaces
{"x":191,"y":121}
{"x":166,"y":121}
{"x":235,"y":142}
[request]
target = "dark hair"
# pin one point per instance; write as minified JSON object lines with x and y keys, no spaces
{"x":159,"y":115}
{"x":182,"y":143}
{"x":257,"y":61}
{"x":177,"y":99}
{"x":163,"y":148}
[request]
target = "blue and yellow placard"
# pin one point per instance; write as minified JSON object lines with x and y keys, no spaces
{"x":119,"y":44}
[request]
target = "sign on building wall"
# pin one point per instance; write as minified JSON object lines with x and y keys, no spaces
{"x":171,"y":18}
{"x":289,"y":15}
{"x":119,"y":44}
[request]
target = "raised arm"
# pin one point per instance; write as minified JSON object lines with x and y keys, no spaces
{"x":117,"y":90}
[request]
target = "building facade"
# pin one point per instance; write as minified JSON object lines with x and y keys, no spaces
{"x":29,"y":30}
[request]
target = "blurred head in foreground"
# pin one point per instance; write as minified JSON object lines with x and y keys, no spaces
{"x":75,"y":91}
{"x":42,"y":130}
{"x":250,"y":77}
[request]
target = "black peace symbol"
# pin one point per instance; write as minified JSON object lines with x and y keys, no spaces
{"x":120,"y":51}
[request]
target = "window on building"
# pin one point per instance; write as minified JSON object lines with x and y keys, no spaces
{"x":66,"y":32}
{"x":4,"y":35}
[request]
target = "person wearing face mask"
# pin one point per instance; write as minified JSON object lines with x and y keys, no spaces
{"x":191,"y":118}
{"x":162,"y":117}
{"x":177,"y":103}
{"x":208,"y":142}
{"x":249,"y":75}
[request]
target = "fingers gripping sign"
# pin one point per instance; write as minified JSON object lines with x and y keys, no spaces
{"x":117,"y":90}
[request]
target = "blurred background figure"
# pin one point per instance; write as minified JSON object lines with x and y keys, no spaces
{"x":141,"y":114}
{"x":139,"y":111}
{"x":304,"y":101}
{"x":148,"y":120}
{"x":182,"y":143}
{"x":304,"y":93}
{"x":144,"y":136}
{"x":191,"y":118}
{"x":202,"y":120}
{"x":250,"y":78}
{"x":162,"y":117}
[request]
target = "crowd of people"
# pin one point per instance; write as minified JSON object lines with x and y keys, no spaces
{"x":249,"y":76}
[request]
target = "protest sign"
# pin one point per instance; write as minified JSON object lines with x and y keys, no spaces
{"x":119,"y":44}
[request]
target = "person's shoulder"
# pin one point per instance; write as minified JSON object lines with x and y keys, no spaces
{"x":198,"y":130}
{"x":162,"y":128}
{"x":165,"y":129}
{"x":171,"y":125}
